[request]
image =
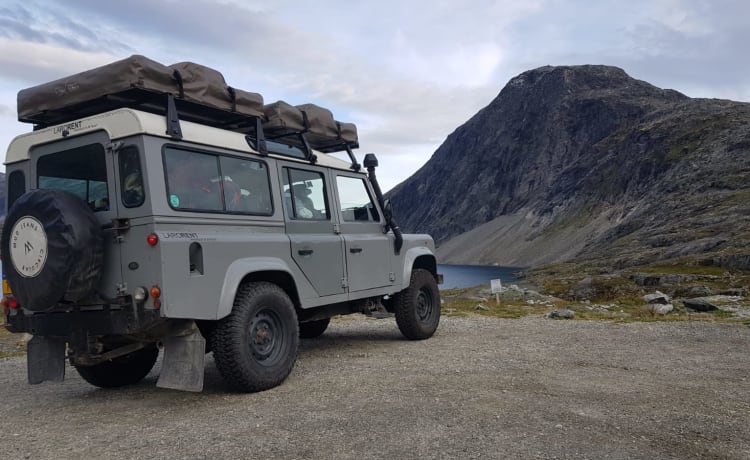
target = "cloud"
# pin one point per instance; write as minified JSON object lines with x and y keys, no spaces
{"x":36,"y":63}
{"x":408,"y":73}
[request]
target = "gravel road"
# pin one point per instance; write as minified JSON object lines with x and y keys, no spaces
{"x":481,"y":388}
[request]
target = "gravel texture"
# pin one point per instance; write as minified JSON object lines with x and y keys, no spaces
{"x":480,"y":388}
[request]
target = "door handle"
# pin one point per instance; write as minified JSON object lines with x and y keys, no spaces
{"x":355,"y":250}
{"x":305,"y":252}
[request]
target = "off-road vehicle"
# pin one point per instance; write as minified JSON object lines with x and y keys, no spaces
{"x":154,"y":207}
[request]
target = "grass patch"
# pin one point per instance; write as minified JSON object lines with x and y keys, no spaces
{"x":464,"y":302}
{"x":603,"y":297}
{"x":707,"y":270}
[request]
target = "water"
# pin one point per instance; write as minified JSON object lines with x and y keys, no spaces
{"x":460,"y":276}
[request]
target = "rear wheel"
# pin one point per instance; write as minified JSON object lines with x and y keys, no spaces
{"x":121,"y":371}
{"x":312,"y":329}
{"x":255,"y":347}
{"x":417,"y":307}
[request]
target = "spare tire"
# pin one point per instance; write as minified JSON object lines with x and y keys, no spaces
{"x":53,"y":249}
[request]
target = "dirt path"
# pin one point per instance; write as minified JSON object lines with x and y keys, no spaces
{"x":481,"y":388}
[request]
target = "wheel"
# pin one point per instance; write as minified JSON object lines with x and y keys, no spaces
{"x":417,"y":307}
{"x":121,"y":371}
{"x":312,"y":329}
{"x":53,"y":249}
{"x":255,"y":347}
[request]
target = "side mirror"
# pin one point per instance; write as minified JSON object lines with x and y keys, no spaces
{"x":387,"y":210}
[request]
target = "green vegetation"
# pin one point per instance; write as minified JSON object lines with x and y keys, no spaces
{"x":708,"y":270}
{"x":618,"y":310}
{"x":596,"y":294}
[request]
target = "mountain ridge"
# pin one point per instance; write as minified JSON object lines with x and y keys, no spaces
{"x":586,"y":163}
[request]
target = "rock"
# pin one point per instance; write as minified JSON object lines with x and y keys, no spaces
{"x":699,"y":304}
{"x":734,"y":292}
{"x":693,"y":291}
{"x":562,"y":314}
{"x":481,"y":307}
{"x":657,"y":297}
{"x":658,"y":308}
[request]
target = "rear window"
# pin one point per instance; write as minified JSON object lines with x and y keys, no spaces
{"x":81,"y":171}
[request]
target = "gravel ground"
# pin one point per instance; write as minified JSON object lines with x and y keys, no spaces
{"x":481,"y":388}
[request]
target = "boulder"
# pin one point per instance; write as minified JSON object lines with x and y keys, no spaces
{"x":564,"y":313}
{"x":657,"y":297}
{"x":659,"y":308}
{"x":699,"y":304}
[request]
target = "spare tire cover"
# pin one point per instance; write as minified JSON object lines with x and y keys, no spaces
{"x":52,"y":248}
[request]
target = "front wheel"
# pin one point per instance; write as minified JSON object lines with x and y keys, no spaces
{"x":121,"y":371}
{"x":255,"y":347}
{"x":417,"y":307}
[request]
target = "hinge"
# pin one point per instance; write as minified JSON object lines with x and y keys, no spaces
{"x":336,"y":229}
{"x":344,"y":283}
{"x":392,"y":276}
{"x":113,"y":147}
{"x":119,"y":227}
{"x":121,"y":288}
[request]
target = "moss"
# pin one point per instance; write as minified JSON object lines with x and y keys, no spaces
{"x":707,"y":270}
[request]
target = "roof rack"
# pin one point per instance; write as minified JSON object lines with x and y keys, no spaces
{"x":190,"y":92}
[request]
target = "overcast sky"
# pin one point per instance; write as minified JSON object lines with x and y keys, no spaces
{"x":406,"y":72}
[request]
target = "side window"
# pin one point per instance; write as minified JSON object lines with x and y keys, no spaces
{"x":247,"y":188}
{"x":81,"y":171}
{"x":193,"y":180}
{"x":305,"y":195}
{"x":356,"y":204}
{"x":131,"y":178}
{"x":16,"y":186}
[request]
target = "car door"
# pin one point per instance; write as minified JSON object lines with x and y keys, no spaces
{"x":368,"y":251}
{"x":316,"y":246}
{"x":84,"y":166}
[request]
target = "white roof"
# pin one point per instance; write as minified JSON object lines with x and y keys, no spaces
{"x":125,"y":122}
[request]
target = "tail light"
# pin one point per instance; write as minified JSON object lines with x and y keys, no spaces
{"x":10,"y":301}
{"x":155,"y":293}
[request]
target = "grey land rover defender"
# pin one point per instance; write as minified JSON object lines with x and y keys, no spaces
{"x":154,"y":207}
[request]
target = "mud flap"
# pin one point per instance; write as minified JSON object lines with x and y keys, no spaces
{"x":182,"y":367}
{"x":45,"y":359}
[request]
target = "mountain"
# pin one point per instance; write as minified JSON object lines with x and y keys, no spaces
{"x":585,"y":163}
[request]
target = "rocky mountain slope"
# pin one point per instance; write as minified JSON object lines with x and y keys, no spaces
{"x":586,"y":163}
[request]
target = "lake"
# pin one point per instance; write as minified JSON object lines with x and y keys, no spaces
{"x":460,"y":276}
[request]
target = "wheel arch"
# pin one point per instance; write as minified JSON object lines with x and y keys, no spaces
{"x":419,"y":257}
{"x":269,"y":269}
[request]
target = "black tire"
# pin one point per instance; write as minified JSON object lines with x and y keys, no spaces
{"x":417,"y":307}
{"x":206,"y":329}
{"x":312,"y":329}
{"x":121,"y":371}
{"x":53,"y":249}
{"x":255,"y":347}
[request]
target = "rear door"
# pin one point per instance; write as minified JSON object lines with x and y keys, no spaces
{"x":84,"y":166}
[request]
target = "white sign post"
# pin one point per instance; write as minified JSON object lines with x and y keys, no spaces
{"x":496,"y":286}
